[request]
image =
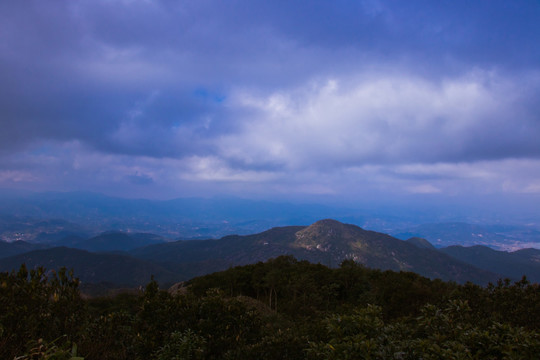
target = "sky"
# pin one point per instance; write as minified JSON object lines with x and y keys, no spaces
{"x":344,"y":101}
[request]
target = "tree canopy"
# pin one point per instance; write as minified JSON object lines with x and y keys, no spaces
{"x":279,"y":309}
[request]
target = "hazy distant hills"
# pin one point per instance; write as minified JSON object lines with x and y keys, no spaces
{"x":52,"y":216}
{"x":513,"y":265}
{"x":107,"y":241}
{"x":18,"y":247}
{"x":505,"y":237}
{"x":177,"y":218}
{"x":328,"y":242}
{"x":38,"y":230}
{"x":117,"y":241}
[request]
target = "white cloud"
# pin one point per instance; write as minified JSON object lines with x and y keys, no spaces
{"x":16,"y":176}
{"x":374,"y":119}
{"x":213,"y":169}
{"x":423,"y":189}
{"x":72,"y":166}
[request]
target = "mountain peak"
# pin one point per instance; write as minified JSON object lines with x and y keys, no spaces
{"x":325,"y":232}
{"x":331,"y":224}
{"x":328,"y":223}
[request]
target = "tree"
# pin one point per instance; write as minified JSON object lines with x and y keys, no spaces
{"x":38,"y":306}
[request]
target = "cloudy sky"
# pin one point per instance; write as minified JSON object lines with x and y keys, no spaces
{"x":345,"y":100}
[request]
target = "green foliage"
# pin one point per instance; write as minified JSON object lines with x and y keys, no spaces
{"x":38,"y":305}
{"x":515,"y":303}
{"x":109,"y":337}
{"x":280,"y":309}
{"x":299,"y":288}
{"x":184,"y":345}
{"x":360,"y":335}
{"x":438,"y":333}
{"x":41,"y":350}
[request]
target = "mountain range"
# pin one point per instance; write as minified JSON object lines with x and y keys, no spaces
{"x":121,"y":259}
{"x":51,"y":216}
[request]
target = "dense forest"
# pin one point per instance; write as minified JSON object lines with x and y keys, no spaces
{"x":279,"y":309}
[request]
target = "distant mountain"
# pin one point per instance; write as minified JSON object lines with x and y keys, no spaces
{"x":502,"y":237}
{"x":176,"y":218}
{"x":197,"y":257}
{"x":444,"y":234}
{"x":118,"y":241}
{"x":120,"y":270}
{"x":512,"y":264}
{"x":18,"y":247}
{"x":381,"y":251}
{"x":107,"y":241}
{"x":327,"y":241}
{"x":51,"y":216}
{"x":36,"y":230}
{"x":72,"y":241}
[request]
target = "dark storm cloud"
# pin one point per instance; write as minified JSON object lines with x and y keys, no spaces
{"x":262,"y":90}
{"x":67,"y":76}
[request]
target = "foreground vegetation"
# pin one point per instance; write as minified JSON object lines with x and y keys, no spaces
{"x":280,"y":309}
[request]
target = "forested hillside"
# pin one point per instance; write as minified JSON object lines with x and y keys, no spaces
{"x":279,"y":309}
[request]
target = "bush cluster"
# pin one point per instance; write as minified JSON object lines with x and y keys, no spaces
{"x":280,"y":309}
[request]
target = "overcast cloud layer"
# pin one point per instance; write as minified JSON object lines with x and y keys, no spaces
{"x":345,"y":99}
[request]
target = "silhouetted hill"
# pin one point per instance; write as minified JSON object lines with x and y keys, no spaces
{"x":72,"y":241}
{"x":17,"y":247}
{"x":90,"y":267}
{"x":512,"y":264}
{"x":197,"y":257}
